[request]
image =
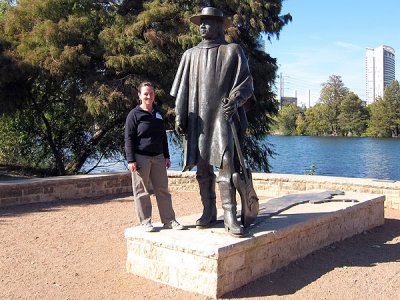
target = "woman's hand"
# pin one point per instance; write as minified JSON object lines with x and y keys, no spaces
{"x":167,"y":163}
{"x":132,"y":167}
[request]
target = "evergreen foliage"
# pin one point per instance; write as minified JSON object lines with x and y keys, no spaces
{"x":352,"y":115}
{"x":317,"y":120}
{"x":301,"y":125}
{"x":332,"y":94}
{"x":287,"y":119}
{"x":68,"y":71}
{"x":385,"y":113}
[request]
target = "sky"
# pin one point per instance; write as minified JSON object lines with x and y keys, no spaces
{"x":330,"y":38}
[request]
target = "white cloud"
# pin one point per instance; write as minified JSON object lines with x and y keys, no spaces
{"x":349,"y":46}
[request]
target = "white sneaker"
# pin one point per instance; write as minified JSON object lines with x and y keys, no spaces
{"x":148,"y":227}
{"x":174,"y":224}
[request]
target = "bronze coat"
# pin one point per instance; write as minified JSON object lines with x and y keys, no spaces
{"x":207,"y":74}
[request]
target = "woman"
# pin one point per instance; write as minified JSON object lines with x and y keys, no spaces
{"x":146,"y":148}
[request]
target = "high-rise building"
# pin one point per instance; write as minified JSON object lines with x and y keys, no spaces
{"x":379,"y":70}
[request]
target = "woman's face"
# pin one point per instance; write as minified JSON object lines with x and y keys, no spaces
{"x":147,"y":95}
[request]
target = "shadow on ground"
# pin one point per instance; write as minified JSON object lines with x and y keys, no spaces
{"x":366,"y":249}
{"x":8,"y":178}
{"x":59,"y":204}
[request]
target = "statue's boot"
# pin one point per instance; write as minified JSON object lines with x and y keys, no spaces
{"x":228,"y":197}
{"x":208,"y":198}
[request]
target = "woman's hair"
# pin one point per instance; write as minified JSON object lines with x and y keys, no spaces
{"x":144,"y":83}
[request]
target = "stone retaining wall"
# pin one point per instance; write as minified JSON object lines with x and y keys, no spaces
{"x":266,"y":184}
{"x":25,"y":191}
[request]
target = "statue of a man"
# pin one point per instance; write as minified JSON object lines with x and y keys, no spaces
{"x":208,"y":74}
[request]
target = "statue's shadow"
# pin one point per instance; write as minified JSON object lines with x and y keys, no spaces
{"x":362,"y":250}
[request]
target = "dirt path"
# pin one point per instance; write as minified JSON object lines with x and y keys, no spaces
{"x":76,"y":250}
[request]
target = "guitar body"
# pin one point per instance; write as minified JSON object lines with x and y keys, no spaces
{"x":248,"y":197}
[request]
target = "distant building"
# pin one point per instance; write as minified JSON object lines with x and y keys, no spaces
{"x":379,"y":71}
{"x":288,"y":101}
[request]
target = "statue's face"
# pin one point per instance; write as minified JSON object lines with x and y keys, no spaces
{"x":210,"y":28}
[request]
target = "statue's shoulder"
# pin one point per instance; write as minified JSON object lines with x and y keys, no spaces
{"x":234,"y":47}
{"x":188,"y":52}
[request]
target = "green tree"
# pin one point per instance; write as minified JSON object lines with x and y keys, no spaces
{"x":287,"y":119}
{"x":74,"y":65}
{"x":379,"y":124}
{"x":301,"y":125}
{"x":3,"y":7}
{"x":332,"y":94}
{"x":351,"y":119}
{"x":54,"y":50}
{"x":392,"y":96}
{"x":385,"y":113}
{"x":317,"y":120}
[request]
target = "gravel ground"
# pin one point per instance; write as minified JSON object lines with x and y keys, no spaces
{"x":77,"y":250}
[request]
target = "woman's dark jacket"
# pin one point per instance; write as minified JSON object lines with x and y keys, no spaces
{"x":145,"y":134}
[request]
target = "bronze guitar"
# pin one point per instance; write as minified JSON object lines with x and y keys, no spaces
{"x":244,"y":185}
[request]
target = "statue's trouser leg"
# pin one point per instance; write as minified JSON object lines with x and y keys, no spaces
{"x":206,"y":178}
{"x":228,"y":195}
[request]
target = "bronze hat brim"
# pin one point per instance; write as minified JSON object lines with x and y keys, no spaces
{"x":197,"y":18}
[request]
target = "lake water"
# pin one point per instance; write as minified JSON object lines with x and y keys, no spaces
{"x":332,"y":156}
{"x":337,"y":156}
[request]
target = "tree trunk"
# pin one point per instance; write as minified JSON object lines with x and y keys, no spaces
{"x":49,"y":137}
{"x":74,"y":166}
{"x":395,"y":131}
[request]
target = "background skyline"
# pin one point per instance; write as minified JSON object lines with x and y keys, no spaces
{"x":330,"y":38}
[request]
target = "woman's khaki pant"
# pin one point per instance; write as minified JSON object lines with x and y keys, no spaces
{"x":151,"y":178}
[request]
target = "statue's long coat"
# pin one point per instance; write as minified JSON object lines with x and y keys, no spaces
{"x":207,"y":74}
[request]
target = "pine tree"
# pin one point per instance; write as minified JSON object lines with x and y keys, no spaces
{"x":385,"y":113}
{"x":75,"y":65}
{"x":332,"y":94}
{"x":351,"y":119}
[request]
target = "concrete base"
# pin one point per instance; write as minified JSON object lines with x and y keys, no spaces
{"x":212,"y":263}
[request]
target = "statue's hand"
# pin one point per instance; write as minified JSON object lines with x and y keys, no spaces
{"x":230,"y":108}
{"x":179,"y":128}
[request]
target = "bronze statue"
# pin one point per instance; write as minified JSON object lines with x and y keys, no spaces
{"x":211,"y":87}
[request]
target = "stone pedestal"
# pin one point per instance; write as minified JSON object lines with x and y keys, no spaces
{"x":212,"y":263}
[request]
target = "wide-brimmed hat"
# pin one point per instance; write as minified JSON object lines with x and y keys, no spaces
{"x":211,"y":12}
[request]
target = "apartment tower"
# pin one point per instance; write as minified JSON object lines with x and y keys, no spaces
{"x":379,"y":70}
